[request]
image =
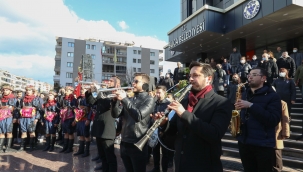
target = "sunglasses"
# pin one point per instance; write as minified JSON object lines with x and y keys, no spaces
{"x":136,"y":81}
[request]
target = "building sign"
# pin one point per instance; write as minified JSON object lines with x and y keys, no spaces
{"x":187,"y":34}
{"x":251,"y":9}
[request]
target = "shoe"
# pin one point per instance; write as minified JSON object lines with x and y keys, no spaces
{"x":9,"y":144}
{"x":32,"y":143}
{"x":299,"y":138}
{"x":65,"y":146}
{"x":98,"y":168}
{"x":96,"y":158}
{"x":47,"y":144}
{"x":70,"y":146}
{"x":155,"y":170}
{"x":52,"y":145}
{"x":81,"y":149}
{"x":98,"y":161}
{"x":86,"y":152}
{"x":22,"y":144}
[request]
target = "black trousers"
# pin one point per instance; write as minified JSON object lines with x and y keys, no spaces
{"x":277,"y":160}
{"x":165,"y":157}
{"x":134,"y":160}
{"x":106,"y":151}
{"x":256,"y":158}
{"x":16,"y":132}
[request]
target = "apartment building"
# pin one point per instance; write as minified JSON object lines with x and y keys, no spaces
{"x":20,"y":82}
{"x":109,"y":58}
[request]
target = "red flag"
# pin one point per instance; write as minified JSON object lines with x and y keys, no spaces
{"x":78,"y":88}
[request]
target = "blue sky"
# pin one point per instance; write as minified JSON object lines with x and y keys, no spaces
{"x":144,"y":17}
{"x":29,"y":28}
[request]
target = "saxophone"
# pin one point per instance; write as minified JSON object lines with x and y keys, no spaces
{"x":235,"y":122}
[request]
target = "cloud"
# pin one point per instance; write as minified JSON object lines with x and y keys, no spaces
{"x":123,"y":25}
{"x":29,"y":29}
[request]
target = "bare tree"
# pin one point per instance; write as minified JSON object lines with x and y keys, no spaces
{"x":129,"y":75}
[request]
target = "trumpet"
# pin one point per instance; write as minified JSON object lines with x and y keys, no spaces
{"x":89,"y":83}
{"x":102,"y":90}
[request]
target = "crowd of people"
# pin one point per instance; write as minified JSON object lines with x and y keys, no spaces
{"x":199,"y":122}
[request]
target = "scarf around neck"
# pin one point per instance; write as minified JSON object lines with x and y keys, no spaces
{"x":193,"y":99}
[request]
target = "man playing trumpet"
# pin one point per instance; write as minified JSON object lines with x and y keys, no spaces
{"x":135,"y":116}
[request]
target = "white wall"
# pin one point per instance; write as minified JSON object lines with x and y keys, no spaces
{"x":64,"y":59}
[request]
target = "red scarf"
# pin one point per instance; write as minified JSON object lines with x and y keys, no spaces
{"x":5,"y":98}
{"x":50,"y":103}
{"x":69,"y":97}
{"x":28,"y":99}
{"x":193,"y":99}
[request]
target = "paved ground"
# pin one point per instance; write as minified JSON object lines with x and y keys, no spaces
{"x":39,"y":161}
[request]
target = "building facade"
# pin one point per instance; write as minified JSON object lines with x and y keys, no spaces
{"x":109,"y":58}
{"x":20,"y":82}
{"x":212,"y":28}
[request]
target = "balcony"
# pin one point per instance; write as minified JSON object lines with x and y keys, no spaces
{"x":56,"y":77}
{"x":58,"y":48}
{"x":107,"y":61}
{"x":160,"y":59}
{"x":57,"y":68}
{"x":57,"y":57}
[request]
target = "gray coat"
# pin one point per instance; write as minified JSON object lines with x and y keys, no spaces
{"x":219,"y":80}
{"x":234,"y":58}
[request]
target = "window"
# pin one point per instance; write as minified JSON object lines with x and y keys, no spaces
{"x":135,"y":51}
{"x":69,"y":84}
{"x":69,"y":64}
{"x":70,"y":54}
{"x":121,"y":69}
{"x":134,"y":69}
{"x":106,"y":76}
{"x":194,"y":5}
{"x":152,"y":62}
{"x":87,"y":46}
{"x":71,"y":44}
{"x":152,"y":53}
{"x":134,"y":60}
{"x":93,"y":47}
{"x":139,"y":52}
{"x":139,"y":69}
{"x":152,"y":70}
{"x":139,"y":60}
{"x":93,"y":56}
{"x":93,"y":66}
{"x":69,"y":75}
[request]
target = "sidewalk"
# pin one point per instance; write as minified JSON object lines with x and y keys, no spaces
{"x":39,"y":161}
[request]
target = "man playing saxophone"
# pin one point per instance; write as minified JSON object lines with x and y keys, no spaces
{"x":135,"y":117}
{"x":200,"y":122}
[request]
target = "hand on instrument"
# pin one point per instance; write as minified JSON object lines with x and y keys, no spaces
{"x":121,"y":94}
{"x":87,"y":122}
{"x":177,"y":107}
{"x":240,"y":104}
{"x":293,"y":102}
{"x":159,"y":115}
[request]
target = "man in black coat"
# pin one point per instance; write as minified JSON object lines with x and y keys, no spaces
{"x":287,"y":63}
{"x":135,"y":114}
{"x":178,"y":73}
{"x":200,"y":122}
{"x":234,"y":60}
{"x":270,"y":67}
{"x":104,"y":128}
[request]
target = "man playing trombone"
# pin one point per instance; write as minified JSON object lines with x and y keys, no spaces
{"x":103,"y":127}
{"x":200,"y":122}
{"x":135,"y":113}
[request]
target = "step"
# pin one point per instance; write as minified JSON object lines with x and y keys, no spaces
{"x":296,"y":122}
{"x":294,"y":135}
{"x":296,"y":129}
{"x":298,"y":116}
{"x":291,"y":162}
{"x":290,"y":143}
{"x":296,"y":110}
{"x":297,"y":105}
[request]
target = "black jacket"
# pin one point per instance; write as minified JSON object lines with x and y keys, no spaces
{"x":167,"y":82}
{"x":179,"y":74}
{"x":289,"y":64}
{"x":243,"y":69}
{"x":161,"y":105}
{"x":104,"y":124}
{"x":286,"y":89}
{"x":234,"y":58}
{"x":135,"y":114}
{"x":198,"y":144}
{"x":271,"y":68}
